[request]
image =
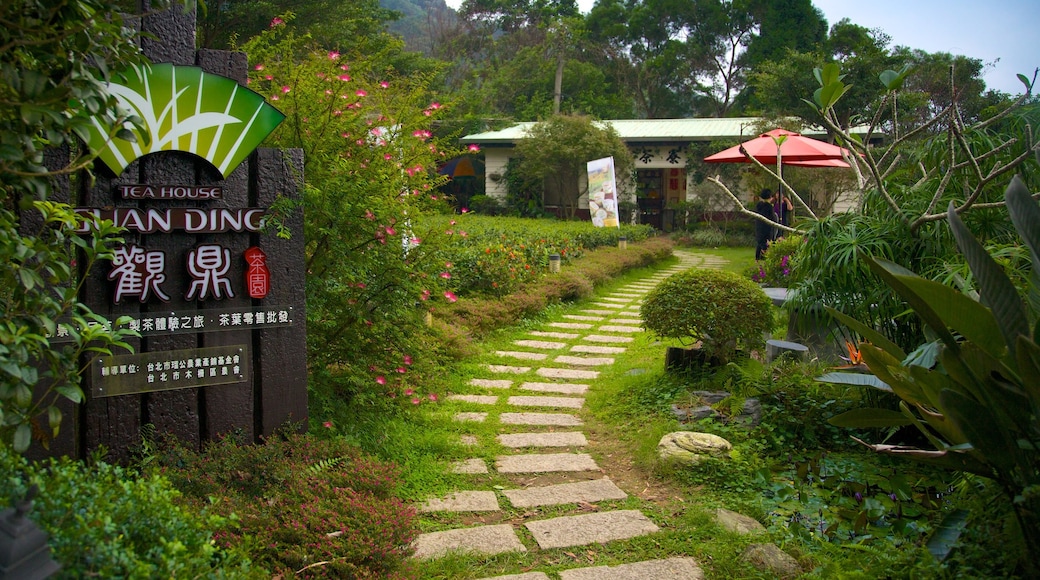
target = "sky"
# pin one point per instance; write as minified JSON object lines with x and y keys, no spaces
{"x":1000,"y":31}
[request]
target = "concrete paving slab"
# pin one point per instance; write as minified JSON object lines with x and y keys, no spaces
{"x":540,"y":344}
{"x":492,"y":383}
{"x":526,"y":576}
{"x":475,"y":465}
{"x":613,"y":299}
{"x":598,"y":312}
{"x":593,"y":349}
{"x":627,"y":314}
{"x":553,"y":373}
{"x":508,"y":369}
{"x":626,"y":321}
{"x":524,"y":355}
{"x":463,"y":501}
{"x":558,"y":419}
{"x":679,"y":568}
{"x":563,"y":439}
{"x":468,"y":440}
{"x":545,"y":463}
{"x":582,"y":491}
{"x":582,"y":317}
{"x":470,"y":417}
{"x":583,"y":361}
{"x":571,"y":325}
{"x":563,"y":388}
{"x":478,"y":399}
{"x":564,"y":335}
{"x":619,"y":328}
{"x":487,"y":540}
{"x":533,"y":401}
{"x":608,"y":305}
{"x":635,"y":307}
{"x":606,"y":338}
{"x":590,"y":528}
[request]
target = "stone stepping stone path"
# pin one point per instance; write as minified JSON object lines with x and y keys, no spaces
{"x":594,"y":337}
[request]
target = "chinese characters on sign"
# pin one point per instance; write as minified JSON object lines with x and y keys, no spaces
{"x":169,"y":369}
{"x":139,"y":273}
{"x":258,"y":277}
{"x":160,"y":323}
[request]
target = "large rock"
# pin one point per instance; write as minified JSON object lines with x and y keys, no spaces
{"x":691,"y":447}
{"x":738,"y":523}
{"x":769,"y":558}
{"x":750,"y":414}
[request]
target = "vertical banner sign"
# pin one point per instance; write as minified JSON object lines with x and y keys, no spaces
{"x":603,"y":204}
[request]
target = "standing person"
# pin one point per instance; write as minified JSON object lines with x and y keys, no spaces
{"x":783,"y":208}
{"x":764,"y":231}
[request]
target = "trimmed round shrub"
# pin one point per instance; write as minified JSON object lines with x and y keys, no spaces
{"x":722,"y":310}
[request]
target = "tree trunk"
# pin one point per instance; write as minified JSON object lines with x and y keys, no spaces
{"x":558,"y":86}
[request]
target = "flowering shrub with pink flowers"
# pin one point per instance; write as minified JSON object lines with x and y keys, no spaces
{"x":776,"y":269}
{"x":374,"y":268}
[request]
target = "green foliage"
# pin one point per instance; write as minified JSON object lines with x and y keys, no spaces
{"x":105,"y":521}
{"x":723,"y":310}
{"x":372,"y":262}
{"x":297,"y":502}
{"x":53,"y":67}
{"x":779,"y":265}
{"x":978,"y":402}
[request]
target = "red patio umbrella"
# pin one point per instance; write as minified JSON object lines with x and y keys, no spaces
{"x":793,"y":147}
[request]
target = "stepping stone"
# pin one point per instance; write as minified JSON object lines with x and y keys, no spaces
{"x":626,"y":321}
{"x":508,"y":369}
{"x":679,"y":568}
{"x":609,"y":305}
{"x":586,"y":529}
{"x":565,"y":335}
{"x":522,"y":354}
{"x":479,"y":399}
{"x":636,"y":307}
{"x":563,"y":388}
{"x":551,"y":373}
{"x":593,"y":349}
{"x":561,"y":419}
{"x":580,"y":317}
{"x":625,"y":313}
{"x":608,"y":338}
{"x":540,"y":344}
{"x":527,"y":576}
{"x":584,"y":361}
{"x":545,"y":463}
{"x":475,"y":465}
{"x":491,"y":383}
{"x":618,"y":328}
{"x":582,"y":491}
{"x":571,"y":325}
{"x":598,"y":312}
{"x":566,"y":439}
{"x":463,"y":501}
{"x":470,"y":417}
{"x":622,"y":300}
{"x":487,"y":540}
{"x":529,"y":401}
{"x":468,"y":440}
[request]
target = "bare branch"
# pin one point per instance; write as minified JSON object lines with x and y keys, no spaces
{"x":745,"y":211}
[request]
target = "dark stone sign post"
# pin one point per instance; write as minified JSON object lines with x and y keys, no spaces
{"x":218,"y":302}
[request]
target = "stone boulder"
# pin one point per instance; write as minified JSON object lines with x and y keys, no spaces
{"x":691,"y":447}
{"x":769,"y":558}
{"x":738,"y":523}
{"x":750,"y":414}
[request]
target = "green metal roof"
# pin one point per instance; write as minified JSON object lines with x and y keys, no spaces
{"x":648,"y":130}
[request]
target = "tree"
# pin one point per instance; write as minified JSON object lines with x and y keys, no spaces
{"x":54,"y":61}
{"x":555,"y":152}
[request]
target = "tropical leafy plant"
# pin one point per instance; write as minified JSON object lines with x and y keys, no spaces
{"x":974,"y":392}
{"x":722,"y":310}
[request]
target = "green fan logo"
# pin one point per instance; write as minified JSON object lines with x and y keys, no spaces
{"x":185,"y":109}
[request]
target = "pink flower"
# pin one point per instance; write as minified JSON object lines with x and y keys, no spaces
{"x":416,"y":400}
{"x":447,"y":264}
{"x":275,"y":98}
{"x":450,"y":296}
{"x":388,"y":156}
{"x":416,"y":241}
{"x":258,"y":67}
{"x":327,"y":424}
{"x":409,"y":392}
{"x":277,"y":22}
{"x":361,"y":93}
{"x":425,"y":295}
{"x":464,"y":210}
{"x":435,"y":105}
{"x":390,"y":231}
{"x":432,"y":396}
{"x":408,"y":359}
{"x":344,"y":78}
{"x":446,"y":275}
{"x":427,"y":113}
{"x":381,"y":380}
{"x":268,"y":78}
{"x":285,"y":89}
{"x":384,"y":84}
{"x":402,"y":370}
{"x":474,"y":147}
{"x":344,"y":67}
{"x":333,"y":55}
{"x":452,"y":222}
